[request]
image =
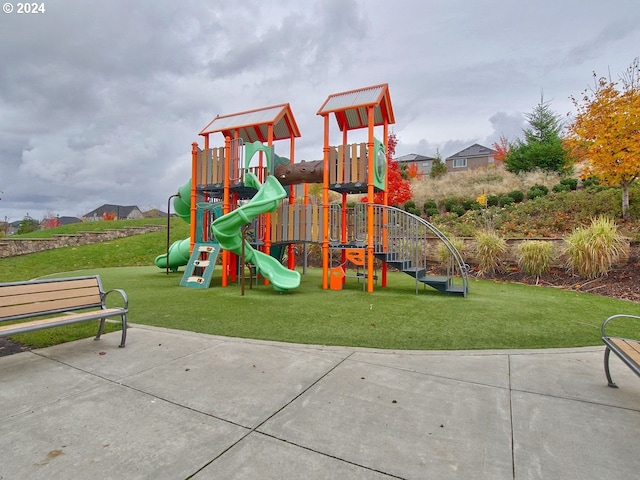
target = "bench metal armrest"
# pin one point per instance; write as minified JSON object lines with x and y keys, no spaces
{"x":603,"y":329}
{"x":125,"y":299}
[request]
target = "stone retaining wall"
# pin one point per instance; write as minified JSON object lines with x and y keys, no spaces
{"x":11,"y":247}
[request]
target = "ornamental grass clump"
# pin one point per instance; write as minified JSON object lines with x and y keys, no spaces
{"x":489,"y":251}
{"x":592,"y":251}
{"x":534,"y":257}
{"x":443,"y":251}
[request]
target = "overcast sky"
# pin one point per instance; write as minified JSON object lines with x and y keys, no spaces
{"x":101,"y":100}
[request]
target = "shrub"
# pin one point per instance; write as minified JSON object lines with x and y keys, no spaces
{"x":536,"y":191}
{"x":410,"y":207}
{"x":572,"y":183}
{"x":561,"y":187}
{"x":493,"y":201}
{"x":430,"y":212}
{"x":430,"y":204}
{"x":458,"y":210}
{"x":592,"y":251}
{"x":590,"y":182}
{"x":449,"y":204}
{"x":505,"y":200}
{"x":517,"y":195}
{"x":467,"y":204}
{"x":534,"y":257}
{"x":541,"y":187}
{"x":489,"y":251}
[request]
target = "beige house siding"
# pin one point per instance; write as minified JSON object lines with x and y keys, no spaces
{"x":422,"y":162}
{"x":471,"y":163}
{"x":475,"y":156}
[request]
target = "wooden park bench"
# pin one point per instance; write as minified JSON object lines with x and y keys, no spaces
{"x":627,"y":349}
{"x":39,"y":304}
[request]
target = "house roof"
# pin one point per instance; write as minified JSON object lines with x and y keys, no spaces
{"x":413,"y":157}
{"x":475,"y":150}
{"x":121,"y":210}
{"x":68,"y":220}
{"x":350,"y":108}
{"x":254,"y":125}
{"x":154,"y":213}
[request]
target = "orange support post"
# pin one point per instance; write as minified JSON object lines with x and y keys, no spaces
{"x":226,"y":204}
{"x":370,"y":193}
{"x":194,"y":181}
{"x":325,"y":205}
{"x":342,"y":161}
{"x":291,"y":251}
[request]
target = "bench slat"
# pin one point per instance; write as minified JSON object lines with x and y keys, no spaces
{"x":36,"y":287}
{"x":50,"y":296}
{"x":630,"y":348}
{"x":22,"y":327}
{"x":54,"y":305}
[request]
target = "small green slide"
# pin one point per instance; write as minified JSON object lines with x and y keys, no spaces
{"x":227,"y":230}
{"x":179,"y":251}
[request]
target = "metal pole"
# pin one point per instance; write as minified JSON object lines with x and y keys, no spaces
{"x":169,"y":228}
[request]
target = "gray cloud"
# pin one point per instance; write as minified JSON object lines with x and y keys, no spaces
{"x":100,"y":101}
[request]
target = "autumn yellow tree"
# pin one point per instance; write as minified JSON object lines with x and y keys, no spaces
{"x":605,"y":133}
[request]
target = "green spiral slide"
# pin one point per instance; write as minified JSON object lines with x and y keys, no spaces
{"x":179,"y":250}
{"x":228,"y":232}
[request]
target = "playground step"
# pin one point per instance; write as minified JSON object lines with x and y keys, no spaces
{"x":442,"y":284}
{"x":395,"y":259}
{"x":415,"y":272}
{"x":401,"y":264}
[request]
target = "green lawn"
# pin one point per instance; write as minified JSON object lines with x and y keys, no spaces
{"x":494,"y":315}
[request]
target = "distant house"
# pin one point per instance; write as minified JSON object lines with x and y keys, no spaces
{"x":52,"y":222}
{"x":475,"y":156}
{"x":423,"y":163}
{"x":69,"y":220}
{"x":12,"y":228}
{"x":114,"y":212}
{"x":154,"y":213}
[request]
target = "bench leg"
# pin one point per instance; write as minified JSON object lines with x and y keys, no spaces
{"x":124,"y":331}
{"x":607,"y":353}
{"x":100,"y":328}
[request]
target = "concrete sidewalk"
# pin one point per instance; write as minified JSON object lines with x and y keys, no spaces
{"x":175,"y":404}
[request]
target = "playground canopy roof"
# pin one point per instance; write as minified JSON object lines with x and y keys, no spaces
{"x":350,"y":108}
{"x":254,"y":125}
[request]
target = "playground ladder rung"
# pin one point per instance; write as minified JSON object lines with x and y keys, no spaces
{"x":197,"y":273}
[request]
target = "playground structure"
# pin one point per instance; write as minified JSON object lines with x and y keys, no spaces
{"x":239,"y":207}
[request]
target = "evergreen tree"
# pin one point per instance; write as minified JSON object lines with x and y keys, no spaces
{"x":28,"y":225}
{"x":542,"y":145}
{"x":438,"y":168}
